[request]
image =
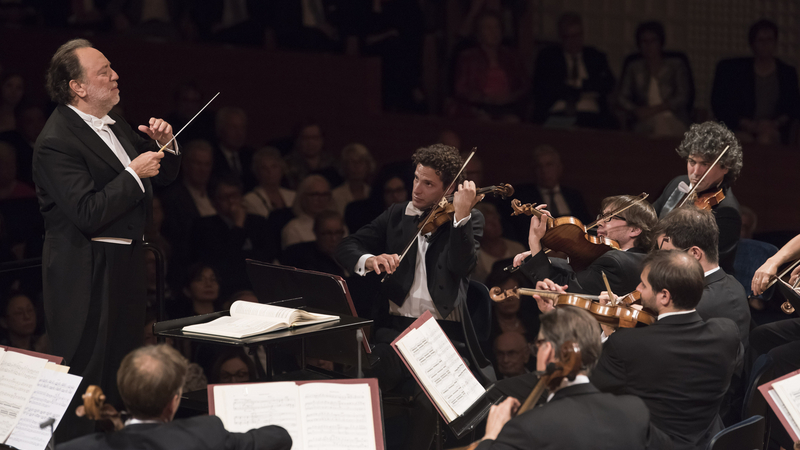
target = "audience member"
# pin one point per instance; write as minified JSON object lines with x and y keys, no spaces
{"x":227,"y":239}
{"x":12,"y":89}
{"x":749,"y":222}
{"x":10,"y":187}
{"x":506,"y":11}
{"x":232,"y":366}
{"x":152,"y":279}
{"x":269,"y":169}
{"x":655,"y":88}
{"x":512,"y":355}
{"x":318,"y":255}
{"x":571,"y":81}
{"x":30,"y":121}
{"x":654,"y":362}
{"x":18,"y":322}
{"x":200,"y":293}
{"x":391,"y":186}
{"x":356,"y":166}
{"x":757,"y":97}
{"x":151,"y":381}
{"x":232,"y":155}
{"x":189,"y":99}
{"x":490,"y":80}
{"x":513,"y":313}
{"x":313,"y":197}
{"x":309,"y":157}
{"x":245,"y":295}
{"x":494,"y":246}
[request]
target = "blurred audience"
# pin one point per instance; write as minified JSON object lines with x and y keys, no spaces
{"x":189,"y":99}
{"x":655,"y":88}
{"x":749,"y":221}
{"x":311,"y":25}
{"x":232,"y":154}
{"x":313,"y":197}
{"x":18,"y":322}
{"x":357,"y":167}
{"x":12,"y":89}
{"x":239,"y":22}
{"x":269,"y":169}
{"x":200,"y":293}
{"x":10,"y":187}
{"x":391,"y":185}
{"x":512,"y":354}
{"x":30,"y":120}
{"x":571,"y":81}
{"x":757,"y":97}
{"x":160,"y":20}
{"x":317,"y":255}
{"x":232,"y":366}
{"x":309,"y":157}
{"x":494,"y":246}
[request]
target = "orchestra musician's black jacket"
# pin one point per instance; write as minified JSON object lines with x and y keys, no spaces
{"x":724,"y":296}
{"x":622,"y":268}
{"x":196,"y":433}
{"x":85,"y":192}
{"x":449,"y":260}
{"x":578,"y":417}
{"x":680,"y":366}
{"x":729,"y":220}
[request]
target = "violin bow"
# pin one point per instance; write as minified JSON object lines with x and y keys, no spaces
{"x":640,"y":198}
{"x":187,"y":124}
{"x":444,"y":198}
{"x":694,"y":188}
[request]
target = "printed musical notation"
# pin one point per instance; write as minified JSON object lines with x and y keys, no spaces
{"x":19,"y":374}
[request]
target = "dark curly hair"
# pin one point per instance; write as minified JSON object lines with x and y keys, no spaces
{"x":65,"y":67}
{"x":443,"y":159}
{"x":707,"y":140}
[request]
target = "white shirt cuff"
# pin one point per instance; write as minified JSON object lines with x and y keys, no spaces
{"x":462,"y":221}
{"x":175,"y":152}
{"x":135,"y":177}
{"x":603,"y":337}
{"x":360,"y":269}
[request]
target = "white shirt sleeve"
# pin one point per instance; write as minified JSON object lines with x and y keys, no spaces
{"x":462,"y":221}
{"x":360,"y":269}
{"x":135,"y":177}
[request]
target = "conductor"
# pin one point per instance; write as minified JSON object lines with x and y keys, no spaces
{"x":94,"y":178}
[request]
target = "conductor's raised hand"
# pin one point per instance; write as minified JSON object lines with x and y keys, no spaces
{"x":147,"y":164}
{"x":383,"y":262}
{"x":158,"y":130}
{"x":464,"y":199}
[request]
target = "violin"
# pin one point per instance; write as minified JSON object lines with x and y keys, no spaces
{"x":620,"y":314}
{"x":95,"y":408}
{"x":444,"y":210}
{"x":709,"y":199}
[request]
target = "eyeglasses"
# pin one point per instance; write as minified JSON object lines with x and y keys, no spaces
{"x":601,"y":218}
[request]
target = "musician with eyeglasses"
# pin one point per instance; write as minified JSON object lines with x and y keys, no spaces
{"x":630,"y":228}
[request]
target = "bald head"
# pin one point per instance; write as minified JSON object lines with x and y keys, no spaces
{"x":149,"y":378}
{"x":678,"y":273}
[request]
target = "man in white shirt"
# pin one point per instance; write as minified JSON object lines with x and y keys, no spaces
{"x":93,"y":175}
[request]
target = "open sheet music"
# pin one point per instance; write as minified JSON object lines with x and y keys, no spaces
{"x":438,"y":367}
{"x":250,"y":319}
{"x":31,"y":391}
{"x":783,"y":396}
{"x":330,"y":415}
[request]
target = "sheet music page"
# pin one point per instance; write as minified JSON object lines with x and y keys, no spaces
{"x":247,"y":406}
{"x":236,"y":327}
{"x":441,"y":365}
{"x":782,"y":408}
{"x":243,"y":308}
{"x":52,"y":396}
{"x":18,"y":376}
{"x":337,"y":416}
{"x":789,"y":392}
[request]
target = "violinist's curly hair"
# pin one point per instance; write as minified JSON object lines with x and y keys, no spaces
{"x":708,"y":140}
{"x":443,"y":159}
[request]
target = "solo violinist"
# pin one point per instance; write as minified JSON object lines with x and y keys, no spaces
{"x":630,"y":228}
{"x":700,"y":147}
{"x":432,"y":275}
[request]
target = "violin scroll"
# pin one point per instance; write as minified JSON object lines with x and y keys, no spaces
{"x":499,"y":295}
{"x":95,"y":408}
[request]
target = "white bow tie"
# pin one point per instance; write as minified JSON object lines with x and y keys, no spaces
{"x":412,"y":210}
{"x":98,"y":124}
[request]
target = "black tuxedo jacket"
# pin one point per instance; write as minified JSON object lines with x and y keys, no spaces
{"x":196,"y":433}
{"x":724,"y":296}
{"x":518,"y":227}
{"x":449,"y":260}
{"x":729,"y":221}
{"x":622,"y":268}
{"x":680,"y":366}
{"x":577,"y":418}
{"x":85,"y":192}
{"x":549,"y":79}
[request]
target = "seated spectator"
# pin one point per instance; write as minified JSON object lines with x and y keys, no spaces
{"x":391,"y":185}
{"x":12,"y":89}
{"x":512,"y":354}
{"x":655,"y":88}
{"x":18,"y":322}
{"x":188,"y":100}
{"x":152,"y":231}
{"x":356,"y":166}
{"x":561,"y":200}
{"x":515,"y":314}
{"x":245,"y":295}
{"x":490,"y":79}
{"x":318,"y":255}
{"x":150,"y":381}
{"x":10,"y":187}
{"x":494,"y":246}
{"x":749,"y":221}
{"x":232,"y":154}
{"x":571,"y":81}
{"x":232,"y":236}
{"x":200,"y":293}
{"x":313,"y":197}
{"x":232,"y":366}
{"x":269,"y":195}
{"x":308,"y":157}
{"x":757,"y":97}
{"x":507,"y":11}
{"x":30,"y":120}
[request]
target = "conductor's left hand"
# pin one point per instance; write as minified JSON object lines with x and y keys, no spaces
{"x":158,"y":130}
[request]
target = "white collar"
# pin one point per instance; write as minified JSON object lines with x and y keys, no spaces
{"x":579,"y":379}
{"x":96,"y":123}
{"x":661,"y":316}
{"x":135,"y":421}
{"x":412,"y":210}
{"x":711,"y":271}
